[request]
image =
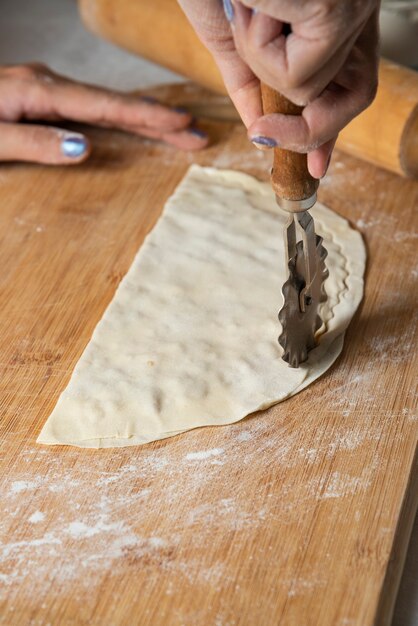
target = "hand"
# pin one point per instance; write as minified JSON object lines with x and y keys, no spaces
{"x":328,"y":63}
{"x":33,"y":92}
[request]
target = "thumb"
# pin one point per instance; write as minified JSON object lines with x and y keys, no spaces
{"x":42,"y":144}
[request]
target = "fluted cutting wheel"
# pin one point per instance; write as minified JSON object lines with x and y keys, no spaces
{"x":299,"y":327}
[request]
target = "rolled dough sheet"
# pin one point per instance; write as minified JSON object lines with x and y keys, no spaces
{"x":190,"y":337}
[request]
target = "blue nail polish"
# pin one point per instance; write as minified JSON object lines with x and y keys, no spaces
{"x":229,"y":10}
{"x":264,"y":141}
{"x":181,"y":110}
{"x":198,"y":133}
{"x":149,"y":99}
{"x":74,"y":146}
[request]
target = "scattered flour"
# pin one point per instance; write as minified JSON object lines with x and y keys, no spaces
{"x":36,"y":517}
{"x":23,"y":485}
{"x":245,"y":435}
{"x":105,"y":511}
{"x":205,"y":454}
{"x":80,"y":530}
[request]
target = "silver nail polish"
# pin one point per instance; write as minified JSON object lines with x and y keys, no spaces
{"x":228,"y":10}
{"x":264,"y":142}
{"x":73,"y":146}
{"x":198,"y":132}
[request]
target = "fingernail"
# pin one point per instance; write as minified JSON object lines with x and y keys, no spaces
{"x":264,"y":142}
{"x":254,"y":11}
{"x":198,"y":133}
{"x":149,"y":99}
{"x":74,"y":146}
{"x":181,"y":110}
{"x":229,"y":10}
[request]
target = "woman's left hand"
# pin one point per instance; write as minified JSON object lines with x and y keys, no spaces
{"x":34,"y":92}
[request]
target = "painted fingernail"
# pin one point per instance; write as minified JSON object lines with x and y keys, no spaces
{"x":264,"y":142}
{"x":73,"y":146}
{"x":149,"y":99}
{"x":198,"y":133}
{"x":181,"y":110}
{"x":229,"y":10}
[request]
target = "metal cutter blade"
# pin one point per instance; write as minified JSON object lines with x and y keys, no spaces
{"x":304,"y":289}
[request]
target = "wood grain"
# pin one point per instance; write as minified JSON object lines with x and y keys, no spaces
{"x":290,"y":517}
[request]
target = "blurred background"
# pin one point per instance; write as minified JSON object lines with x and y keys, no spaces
{"x":51,"y":31}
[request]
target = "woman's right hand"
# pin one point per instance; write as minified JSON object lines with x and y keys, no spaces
{"x":328,"y":63}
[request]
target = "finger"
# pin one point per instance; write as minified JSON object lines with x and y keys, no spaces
{"x":315,"y":130}
{"x":299,"y":65}
{"x":274,"y":58}
{"x":45,"y":95}
{"x":188,"y":139}
{"x":320,"y":121}
{"x":100,"y":107}
{"x":246,"y":96}
{"x":242,"y":85}
{"x":282,"y":10}
{"x":319,"y":159}
{"x":300,"y":57}
{"x":262,"y":29}
{"x":212,"y":22}
{"x":313,"y":78}
{"x":42,"y":144}
{"x":315,"y":85}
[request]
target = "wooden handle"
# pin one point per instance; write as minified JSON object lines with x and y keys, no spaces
{"x":290,"y":177}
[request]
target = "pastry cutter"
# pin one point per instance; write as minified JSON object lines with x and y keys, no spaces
{"x":303,"y":291}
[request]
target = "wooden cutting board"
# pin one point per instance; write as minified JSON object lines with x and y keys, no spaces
{"x":299,"y":515}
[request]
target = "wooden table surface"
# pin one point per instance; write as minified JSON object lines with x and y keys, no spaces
{"x":296,"y":516}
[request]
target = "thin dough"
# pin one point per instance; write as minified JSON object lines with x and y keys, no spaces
{"x":190,"y":338}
